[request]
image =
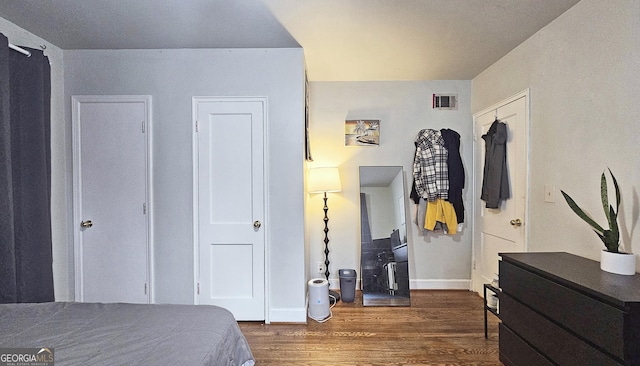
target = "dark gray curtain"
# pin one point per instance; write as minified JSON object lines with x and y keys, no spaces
{"x":26,"y":273}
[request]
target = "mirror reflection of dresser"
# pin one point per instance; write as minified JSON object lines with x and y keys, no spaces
{"x":384,"y":255}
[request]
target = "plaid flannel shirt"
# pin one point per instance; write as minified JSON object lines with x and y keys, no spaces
{"x":430,"y":172}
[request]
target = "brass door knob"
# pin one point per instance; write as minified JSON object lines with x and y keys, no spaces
{"x":516,"y":222}
{"x":257,"y":224}
{"x":86,"y":224}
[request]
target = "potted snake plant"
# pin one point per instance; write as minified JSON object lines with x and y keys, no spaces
{"x":612,"y":259}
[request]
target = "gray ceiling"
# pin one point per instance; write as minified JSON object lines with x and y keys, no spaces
{"x":350,"y":40}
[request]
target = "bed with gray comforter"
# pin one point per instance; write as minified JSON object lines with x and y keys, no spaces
{"x":126,"y":334}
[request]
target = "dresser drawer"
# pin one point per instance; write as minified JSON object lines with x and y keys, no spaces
{"x":514,"y":351}
{"x":547,"y":337}
{"x":598,"y":322}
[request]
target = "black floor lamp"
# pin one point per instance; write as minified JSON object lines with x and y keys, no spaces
{"x":323,"y":180}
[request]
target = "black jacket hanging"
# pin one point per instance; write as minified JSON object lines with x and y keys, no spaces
{"x":495,"y":181}
{"x":455,"y":171}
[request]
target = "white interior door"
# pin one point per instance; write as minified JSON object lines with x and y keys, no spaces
{"x":111,"y":221}
{"x":229,"y":207}
{"x":502,"y":229}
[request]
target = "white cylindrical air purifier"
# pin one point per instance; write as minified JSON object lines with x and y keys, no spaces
{"x":319,"y":299}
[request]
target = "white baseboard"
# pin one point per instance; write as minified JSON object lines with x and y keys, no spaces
{"x":440,"y":284}
{"x":288,"y":315}
{"x":334,"y":284}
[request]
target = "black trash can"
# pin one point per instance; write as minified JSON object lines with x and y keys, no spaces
{"x":347,"y":284}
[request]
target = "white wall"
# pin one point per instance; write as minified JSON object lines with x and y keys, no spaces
{"x":583,"y":74}
{"x":404,"y":108}
{"x":172,"y":78}
{"x":60,"y":187}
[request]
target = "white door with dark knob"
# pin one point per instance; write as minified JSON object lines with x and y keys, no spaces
{"x":229,"y":204}
{"x":110,"y":198}
{"x":502,"y":229}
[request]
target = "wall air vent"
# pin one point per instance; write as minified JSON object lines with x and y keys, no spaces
{"x":445,"y":101}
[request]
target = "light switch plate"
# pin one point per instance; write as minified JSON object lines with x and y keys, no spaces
{"x":549,"y":193}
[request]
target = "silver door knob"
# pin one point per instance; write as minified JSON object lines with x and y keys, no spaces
{"x":516,"y":222}
{"x":86,"y":224}
{"x":257,"y":224}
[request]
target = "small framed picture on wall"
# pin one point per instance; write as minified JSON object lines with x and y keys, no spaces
{"x":362,"y":132}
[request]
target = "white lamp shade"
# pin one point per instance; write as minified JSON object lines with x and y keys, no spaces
{"x":324,"y":180}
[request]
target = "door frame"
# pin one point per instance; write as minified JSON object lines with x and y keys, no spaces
{"x":195,"y":163}
{"x":476,"y":284}
{"x":76,"y":101}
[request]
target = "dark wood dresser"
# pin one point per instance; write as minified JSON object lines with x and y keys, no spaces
{"x":561,"y":309}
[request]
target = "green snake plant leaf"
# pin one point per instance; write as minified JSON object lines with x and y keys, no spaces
{"x":605,"y":198}
{"x":611,"y":236}
{"x":582,"y":214}
{"x":614,"y":240}
{"x":615,"y":185}
{"x":611,"y":239}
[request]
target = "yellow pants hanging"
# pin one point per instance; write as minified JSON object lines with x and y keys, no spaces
{"x":442,"y":211}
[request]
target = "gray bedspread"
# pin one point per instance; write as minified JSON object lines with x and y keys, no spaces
{"x":126,"y":334}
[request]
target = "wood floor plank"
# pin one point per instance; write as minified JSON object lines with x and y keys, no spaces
{"x":440,"y":328}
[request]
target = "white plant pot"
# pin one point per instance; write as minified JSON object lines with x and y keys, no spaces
{"x":618,"y":263}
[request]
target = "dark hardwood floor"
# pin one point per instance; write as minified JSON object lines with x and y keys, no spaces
{"x":440,"y":328}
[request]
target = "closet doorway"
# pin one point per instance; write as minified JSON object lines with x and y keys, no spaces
{"x":503,"y":229}
{"x":230,"y":203}
{"x":111,"y":190}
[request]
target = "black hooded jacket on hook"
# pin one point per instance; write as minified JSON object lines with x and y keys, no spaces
{"x":495,"y":182}
{"x":456,"y":171}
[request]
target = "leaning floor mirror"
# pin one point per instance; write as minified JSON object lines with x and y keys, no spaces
{"x":384,"y":259}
